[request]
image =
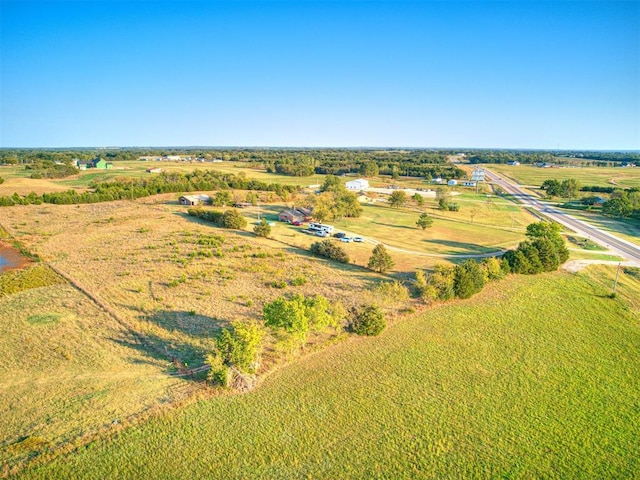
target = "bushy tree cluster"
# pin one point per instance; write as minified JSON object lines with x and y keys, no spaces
{"x":238,"y":346}
{"x":623,"y":204}
{"x":299,"y":315}
{"x":564,"y":189}
{"x":460,"y":281}
{"x":543,"y":251}
{"x":327,"y":248}
{"x":335,"y":201}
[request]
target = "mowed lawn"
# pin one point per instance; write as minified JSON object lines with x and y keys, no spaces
{"x":536,"y":377}
{"x":600,"y":176}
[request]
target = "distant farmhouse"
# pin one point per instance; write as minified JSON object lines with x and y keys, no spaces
{"x":194,"y":199}
{"x":99,"y":163}
{"x":513,"y":163}
{"x":358,"y":184}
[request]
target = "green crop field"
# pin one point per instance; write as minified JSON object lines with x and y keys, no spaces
{"x":600,"y":176}
{"x":536,"y":377}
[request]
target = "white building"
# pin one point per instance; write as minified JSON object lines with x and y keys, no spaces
{"x":358,"y":184}
{"x":452,"y":183}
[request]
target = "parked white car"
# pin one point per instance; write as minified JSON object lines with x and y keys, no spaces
{"x":358,"y":239}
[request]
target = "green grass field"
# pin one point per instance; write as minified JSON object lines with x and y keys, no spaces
{"x":536,"y":377}
{"x":600,"y":176}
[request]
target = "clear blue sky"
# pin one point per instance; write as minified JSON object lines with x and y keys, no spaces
{"x":509,"y":74}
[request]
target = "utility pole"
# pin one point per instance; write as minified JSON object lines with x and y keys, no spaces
{"x":615,"y":282}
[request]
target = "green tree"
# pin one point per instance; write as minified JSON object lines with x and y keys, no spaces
{"x":424,"y":221}
{"x":380,"y":259}
{"x":369,"y":169}
{"x":441,"y":283}
{"x":241,"y":345}
{"x":469,"y":279}
{"x":232,"y":218}
{"x":1,"y":180}
{"x":289,"y":315}
{"x":223,"y":198}
{"x":618,"y":207}
{"x":398,"y":199}
{"x":419,"y":199}
{"x":368,"y":320}
{"x":262,"y":229}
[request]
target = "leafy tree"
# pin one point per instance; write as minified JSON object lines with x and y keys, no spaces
{"x":223,"y":198}
{"x":1,"y":180}
{"x":232,"y":218}
{"x":441,"y":283}
{"x":240,"y":345}
{"x":398,"y":199}
{"x":493,"y":268}
{"x":380,"y":259}
{"x":262,"y":229}
{"x":424,"y":221}
{"x":289,"y":315}
{"x":369,"y":169}
{"x":618,"y":207}
{"x":320,"y":313}
{"x":327,"y":248}
{"x":368,"y":320}
{"x":332,"y":184}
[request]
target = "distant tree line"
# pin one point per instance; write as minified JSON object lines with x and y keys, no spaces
{"x":132,"y":188}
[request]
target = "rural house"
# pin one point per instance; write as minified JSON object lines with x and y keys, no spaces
{"x":290,"y":216}
{"x":99,"y":163}
{"x":194,"y":199}
{"x":307,"y":213}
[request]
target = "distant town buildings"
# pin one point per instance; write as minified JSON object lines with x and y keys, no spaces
{"x":357,"y":185}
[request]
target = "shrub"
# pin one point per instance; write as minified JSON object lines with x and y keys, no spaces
{"x":262,"y":229}
{"x":380,"y":259}
{"x":328,"y":249}
{"x":368,"y":320}
{"x":232,"y":218}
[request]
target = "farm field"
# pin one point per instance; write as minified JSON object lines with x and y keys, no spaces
{"x":511,"y":383}
{"x":599,"y":176}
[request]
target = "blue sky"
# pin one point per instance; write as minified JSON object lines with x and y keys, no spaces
{"x":510,"y":74}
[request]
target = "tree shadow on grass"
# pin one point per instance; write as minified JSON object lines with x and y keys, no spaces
{"x":461,"y":248}
{"x":189,"y":323}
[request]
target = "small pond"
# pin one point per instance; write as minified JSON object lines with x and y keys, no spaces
{"x":11,"y":258}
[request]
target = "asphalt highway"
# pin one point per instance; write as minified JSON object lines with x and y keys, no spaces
{"x":617,"y":245}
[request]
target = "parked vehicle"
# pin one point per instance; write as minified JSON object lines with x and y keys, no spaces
{"x":297,"y":223}
{"x":321,"y":234}
{"x":339,"y":235}
{"x":346,"y":239}
{"x":357,"y":239}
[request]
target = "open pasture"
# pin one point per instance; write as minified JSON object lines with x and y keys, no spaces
{"x":598,"y":176}
{"x":511,"y":383}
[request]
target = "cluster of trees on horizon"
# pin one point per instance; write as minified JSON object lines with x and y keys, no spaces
{"x":407,"y":161}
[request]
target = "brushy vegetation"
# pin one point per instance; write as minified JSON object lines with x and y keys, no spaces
{"x":368,"y":320}
{"x":34,"y":276}
{"x":511,"y":383}
{"x":328,"y":249}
